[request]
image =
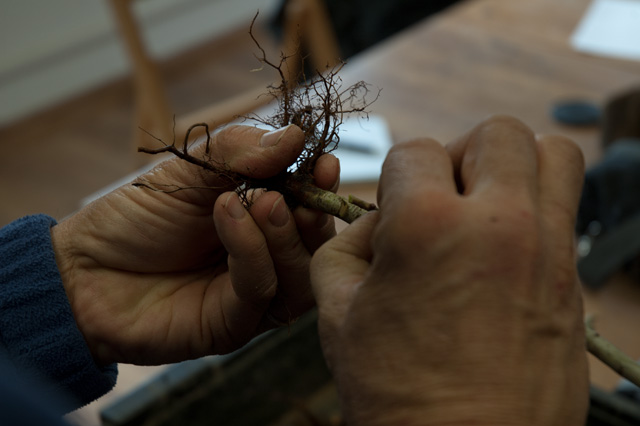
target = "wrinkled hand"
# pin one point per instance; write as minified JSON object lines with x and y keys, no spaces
{"x":458,"y":302}
{"x":155,"y":277}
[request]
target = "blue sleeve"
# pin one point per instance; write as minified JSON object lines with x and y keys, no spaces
{"x":38,"y":333}
{"x":22,"y":403}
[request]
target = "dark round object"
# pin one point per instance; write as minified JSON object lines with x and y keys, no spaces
{"x":576,"y":113}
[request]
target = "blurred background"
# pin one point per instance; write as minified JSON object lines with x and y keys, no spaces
{"x":67,"y":92}
{"x":74,"y":75}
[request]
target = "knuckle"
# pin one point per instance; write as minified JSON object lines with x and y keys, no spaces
{"x":504,"y":120}
{"x":292,"y":254}
{"x":406,"y":148}
{"x":566,"y":149}
{"x":501,"y":124}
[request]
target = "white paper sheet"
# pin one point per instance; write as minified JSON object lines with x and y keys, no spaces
{"x":610,"y":28}
{"x":362,"y":149}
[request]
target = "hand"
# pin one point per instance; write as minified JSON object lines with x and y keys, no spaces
{"x":459,"y":302}
{"x":154,"y":277}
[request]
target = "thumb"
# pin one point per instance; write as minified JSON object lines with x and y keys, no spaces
{"x":245,"y":150}
{"x":256,"y":152}
{"x":339,"y":266}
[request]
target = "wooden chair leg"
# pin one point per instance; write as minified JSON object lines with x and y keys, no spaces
{"x":153,"y":113}
{"x":294,"y":21}
{"x":307,"y":26}
{"x":320,"y":35}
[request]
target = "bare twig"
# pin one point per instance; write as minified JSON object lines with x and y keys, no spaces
{"x":327,"y":202}
{"x":184,"y":153}
{"x":606,"y":352}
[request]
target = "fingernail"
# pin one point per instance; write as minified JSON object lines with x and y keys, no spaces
{"x":234,"y":207}
{"x":279,"y":215}
{"x":273,"y":137}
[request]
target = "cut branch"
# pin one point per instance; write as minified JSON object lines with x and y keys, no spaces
{"x":327,"y":202}
{"x":606,"y":352}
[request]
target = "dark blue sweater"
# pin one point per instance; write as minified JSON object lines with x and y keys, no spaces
{"x":45,"y":362}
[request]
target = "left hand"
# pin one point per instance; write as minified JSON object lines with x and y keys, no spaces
{"x":154,"y":277}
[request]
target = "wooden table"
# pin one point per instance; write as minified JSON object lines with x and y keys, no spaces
{"x":482,"y":57}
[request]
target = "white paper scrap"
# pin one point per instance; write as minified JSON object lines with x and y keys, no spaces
{"x":363,"y":146}
{"x":610,"y":28}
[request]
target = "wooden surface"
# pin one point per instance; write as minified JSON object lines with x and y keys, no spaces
{"x":487,"y":57}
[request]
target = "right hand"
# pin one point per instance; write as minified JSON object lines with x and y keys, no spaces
{"x":459,"y":302}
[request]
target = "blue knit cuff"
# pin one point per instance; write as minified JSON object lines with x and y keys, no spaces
{"x":37,"y":328}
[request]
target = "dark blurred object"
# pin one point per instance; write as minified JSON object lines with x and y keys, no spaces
{"x":280,"y":379}
{"x":608,"y":220}
{"x":360,"y":24}
{"x":629,"y":390}
{"x":609,"y":215}
{"x":611,"y":409}
{"x":576,"y":113}
{"x":276,"y":378}
{"x":622,"y":117}
{"x":611,"y":192}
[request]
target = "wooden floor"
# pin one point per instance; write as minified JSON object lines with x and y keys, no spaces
{"x":53,"y":159}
